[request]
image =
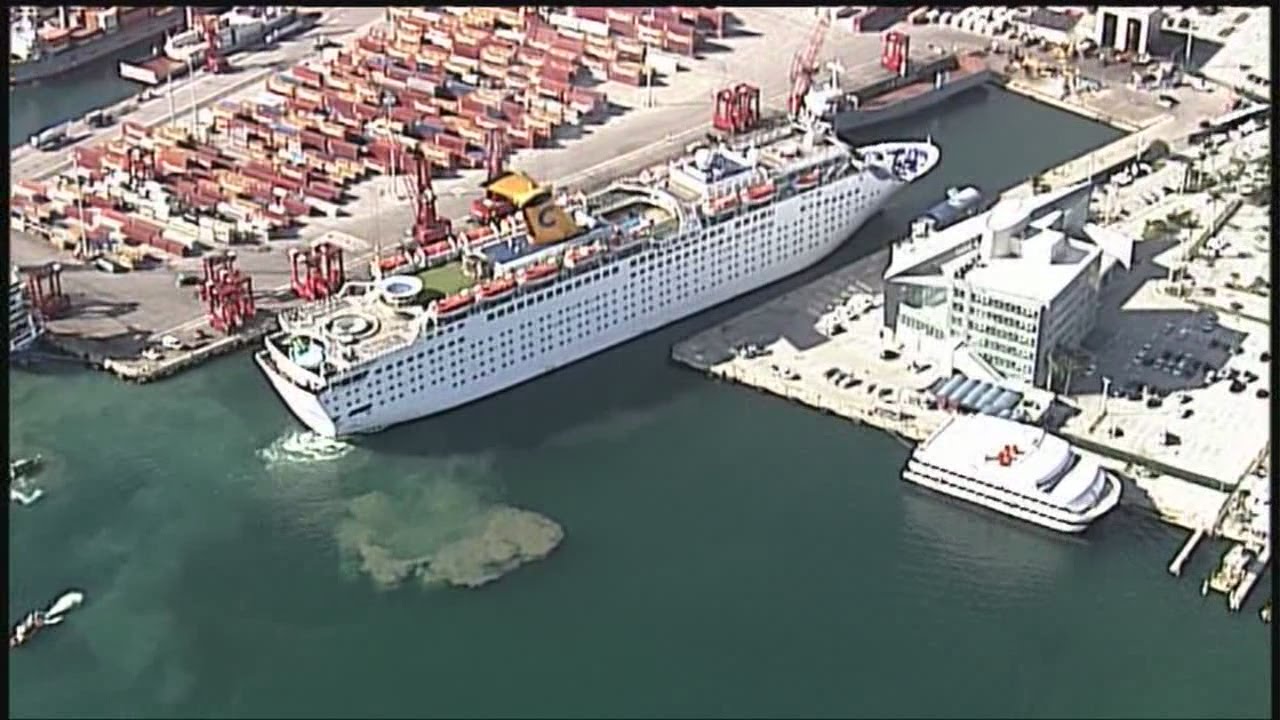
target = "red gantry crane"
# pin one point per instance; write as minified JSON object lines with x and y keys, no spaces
{"x":227,"y":293}
{"x":737,"y":109}
{"x":316,"y":273}
{"x":214,"y":61}
{"x":803,"y":65}
{"x":428,"y":226}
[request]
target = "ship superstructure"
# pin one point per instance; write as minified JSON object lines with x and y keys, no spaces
{"x":1016,"y":469}
{"x":238,"y":29}
{"x":46,"y":41}
{"x":571,"y":277}
{"x":24,"y":328}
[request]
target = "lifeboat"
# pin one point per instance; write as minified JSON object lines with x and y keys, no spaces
{"x":804,"y":181}
{"x":454,"y":305}
{"x":478,"y":235}
{"x":497,"y":289}
{"x":762,"y":193}
{"x":582,"y":256}
{"x":720,"y":205}
{"x":440,"y":251}
{"x":539,"y":274}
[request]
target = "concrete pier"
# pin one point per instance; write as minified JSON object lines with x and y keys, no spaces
{"x":1175,"y":568}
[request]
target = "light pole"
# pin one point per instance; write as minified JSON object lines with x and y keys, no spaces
{"x":1106,"y":392}
{"x":191,"y":85}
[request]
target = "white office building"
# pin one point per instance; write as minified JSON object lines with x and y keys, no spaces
{"x":1003,"y":290}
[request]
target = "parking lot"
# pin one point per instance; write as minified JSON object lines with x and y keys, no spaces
{"x":1172,"y":366}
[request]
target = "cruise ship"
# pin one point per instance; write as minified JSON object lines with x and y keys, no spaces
{"x":572,"y":277}
{"x":41,"y":46}
{"x":24,"y":329}
{"x":1016,"y":469}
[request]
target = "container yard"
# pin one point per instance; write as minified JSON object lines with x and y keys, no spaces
{"x":419,"y":109}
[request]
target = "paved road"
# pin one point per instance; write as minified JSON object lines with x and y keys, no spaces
{"x":203,"y":89}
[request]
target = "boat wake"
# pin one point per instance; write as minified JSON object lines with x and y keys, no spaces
{"x":303,"y":447}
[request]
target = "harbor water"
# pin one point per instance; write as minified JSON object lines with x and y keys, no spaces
{"x":725,"y":552}
{"x":36,"y":106}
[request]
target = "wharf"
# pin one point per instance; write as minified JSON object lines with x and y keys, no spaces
{"x":1185,"y":493}
{"x":797,"y":355}
{"x":116,"y":315}
{"x":889,"y":393}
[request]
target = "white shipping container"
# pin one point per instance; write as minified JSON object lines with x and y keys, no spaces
{"x":563,"y":21}
{"x":177,"y":236}
{"x":328,"y":209}
{"x":593,"y":27}
{"x":514,"y":36}
{"x":661,"y":62}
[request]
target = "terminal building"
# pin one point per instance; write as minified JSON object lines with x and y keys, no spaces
{"x":997,"y":294}
{"x":1127,"y":28}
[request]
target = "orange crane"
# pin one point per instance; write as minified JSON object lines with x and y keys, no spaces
{"x":804,"y":65}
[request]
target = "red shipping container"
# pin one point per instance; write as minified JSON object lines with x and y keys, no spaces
{"x":553,"y":74}
{"x":598,"y":14}
{"x":450,"y":142}
{"x":331,"y":191}
{"x":295,"y":207}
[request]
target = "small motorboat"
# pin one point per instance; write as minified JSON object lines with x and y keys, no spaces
{"x":23,"y":467}
{"x":27,"y":629}
{"x":37,"y":620}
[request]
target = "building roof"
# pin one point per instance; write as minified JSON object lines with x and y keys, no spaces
{"x":1051,"y":19}
{"x":1027,"y":278}
{"x":908,"y":256}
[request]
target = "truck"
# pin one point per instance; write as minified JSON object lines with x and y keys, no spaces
{"x":50,"y":138}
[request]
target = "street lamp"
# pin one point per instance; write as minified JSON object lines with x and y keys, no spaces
{"x":1106,"y":392}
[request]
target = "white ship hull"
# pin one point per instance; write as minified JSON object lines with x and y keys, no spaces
{"x":1011,"y":504}
{"x":624,"y":299}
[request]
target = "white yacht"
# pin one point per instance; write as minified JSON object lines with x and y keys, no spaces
{"x":24,"y":328}
{"x":569,"y":278}
{"x":1016,"y":469}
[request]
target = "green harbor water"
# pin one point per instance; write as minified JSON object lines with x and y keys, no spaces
{"x":725,"y":552}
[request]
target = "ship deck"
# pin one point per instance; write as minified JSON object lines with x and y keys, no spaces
{"x":445,"y":279}
{"x":966,"y":65}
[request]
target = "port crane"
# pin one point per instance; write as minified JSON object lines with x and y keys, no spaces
{"x":214,"y":61}
{"x":428,"y":226}
{"x":803,"y":65}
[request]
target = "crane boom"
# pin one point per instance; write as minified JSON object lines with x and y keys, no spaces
{"x":803,"y":64}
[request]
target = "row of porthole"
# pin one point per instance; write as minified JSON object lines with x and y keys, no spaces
{"x":666,"y":301}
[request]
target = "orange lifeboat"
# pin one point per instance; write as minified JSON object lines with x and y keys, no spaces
{"x":539,"y":274}
{"x":478,"y":235}
{"x":581,"y":257}
{"x":435,"y":251}
{"x":804,"y":181}
{"x":762,"y":193}
{"x":720,"y":204}
{"x":454,"y":305}
{"x":497,"y":289}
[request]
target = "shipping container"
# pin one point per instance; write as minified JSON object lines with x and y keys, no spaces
{"x":295,"y":207}
{"x":322,"y":206}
